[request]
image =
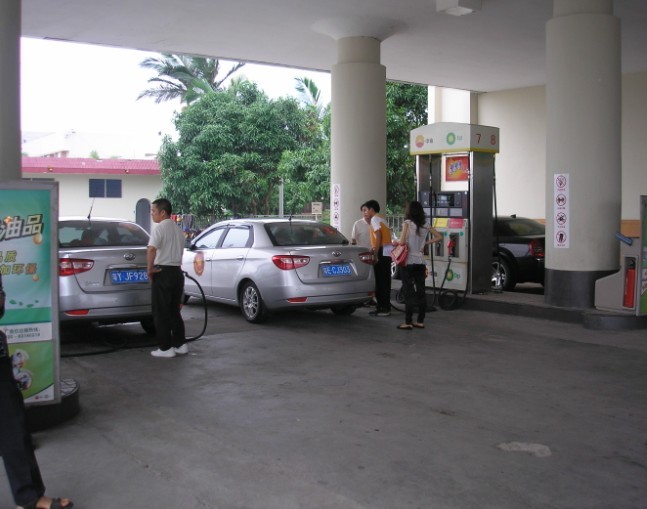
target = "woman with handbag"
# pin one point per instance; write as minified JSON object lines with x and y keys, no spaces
{"x":414,"y":236}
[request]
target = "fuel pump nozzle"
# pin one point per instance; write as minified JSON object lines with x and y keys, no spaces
{"x":451,"y":246}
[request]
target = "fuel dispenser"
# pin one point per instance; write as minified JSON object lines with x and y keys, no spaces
{"x":626,"y":290}
{"x":455,"y":180}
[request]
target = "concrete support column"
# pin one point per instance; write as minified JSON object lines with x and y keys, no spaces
{"x":583,"y":96}
{"x":451,"y":105}
{"x":434,"y":104}
{"x":474,"y":108}
{"x":10,"y":156}
{"x":358,"y":130}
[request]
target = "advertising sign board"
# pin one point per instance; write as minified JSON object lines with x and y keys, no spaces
{"x":28,"y":264}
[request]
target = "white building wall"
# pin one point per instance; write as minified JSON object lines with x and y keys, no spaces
{"x":74,"y":194}
{"x":521,"y":164}
{"x":634,"y":143}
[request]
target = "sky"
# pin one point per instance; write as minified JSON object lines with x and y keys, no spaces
{"x":93,"y":89}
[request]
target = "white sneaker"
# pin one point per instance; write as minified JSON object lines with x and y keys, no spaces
{"x":163,"y":353}
{"x":181,"y":350}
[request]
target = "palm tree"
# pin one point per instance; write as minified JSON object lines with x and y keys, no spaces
{"x":184,"y":77}
{"x":310,"y":93}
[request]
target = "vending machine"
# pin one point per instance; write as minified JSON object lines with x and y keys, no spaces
{"x":455,"y":180}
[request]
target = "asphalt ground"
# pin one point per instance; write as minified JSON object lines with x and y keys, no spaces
{"x":315,"y":411}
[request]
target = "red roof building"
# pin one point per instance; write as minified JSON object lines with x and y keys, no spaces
{"x":88,"y":166}
{"x":121,"y":188}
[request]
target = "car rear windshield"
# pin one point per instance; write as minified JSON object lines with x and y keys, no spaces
{"x":520,"y":227}
{"x":100,"y":233}
{"x":304,"y":234}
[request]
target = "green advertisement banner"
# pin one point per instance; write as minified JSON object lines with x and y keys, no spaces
{"x":28,"y":264}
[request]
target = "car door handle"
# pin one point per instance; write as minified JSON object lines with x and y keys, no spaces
{"x":240,"y":258}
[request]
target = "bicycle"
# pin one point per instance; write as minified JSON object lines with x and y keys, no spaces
{"x":446,"y":299}
{"x":397,"y":298}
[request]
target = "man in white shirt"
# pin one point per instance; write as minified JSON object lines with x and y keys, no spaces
{"x":164,"y":260}
{"x":361,"y":233}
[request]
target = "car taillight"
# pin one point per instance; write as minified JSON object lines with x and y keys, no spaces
{"x":536,"y":248}
{"x":77,"y":312}
{"x":367,"y":258}
{"x":71,"y":266}
{"x":289,"y":262}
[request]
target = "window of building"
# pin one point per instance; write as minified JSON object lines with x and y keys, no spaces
{"x":105,"y":188}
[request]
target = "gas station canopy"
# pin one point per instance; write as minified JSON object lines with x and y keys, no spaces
{"x":502,"y":46}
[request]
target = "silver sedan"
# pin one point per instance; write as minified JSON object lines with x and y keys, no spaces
{"x":265,"y":265}
{"x":102,"y":272}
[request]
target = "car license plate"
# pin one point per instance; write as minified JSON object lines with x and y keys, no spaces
{"x":336,"y":270}
{"x":128,"y":276}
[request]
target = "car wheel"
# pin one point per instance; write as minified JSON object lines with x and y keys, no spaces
{"x":251,"y":303}
{"x":502,"y":271}
{"x":148,"y":325}
{"x":343,"y":310}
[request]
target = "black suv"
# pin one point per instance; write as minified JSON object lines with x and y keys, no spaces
{"x":518,"y":255}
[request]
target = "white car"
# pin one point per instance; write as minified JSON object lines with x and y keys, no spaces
{"x":265,"y":265}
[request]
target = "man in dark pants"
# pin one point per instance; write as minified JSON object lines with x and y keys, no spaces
{"x":381,"y":248}
{"x":164,"y":258}
{"x":16,"y":447}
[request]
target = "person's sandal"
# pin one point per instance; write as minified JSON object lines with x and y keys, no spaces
{"x":404,"y":326}
{"x":418,"y":325}
{"x":54,"y":504}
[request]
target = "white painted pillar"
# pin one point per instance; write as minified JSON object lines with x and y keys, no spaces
{"x":434,"y":104}
{"x":10,"y":156}
{"x":583,"y":96}
{"x":358,"y":130}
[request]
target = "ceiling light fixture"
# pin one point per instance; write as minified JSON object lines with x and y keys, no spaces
{"x":458,"y":7}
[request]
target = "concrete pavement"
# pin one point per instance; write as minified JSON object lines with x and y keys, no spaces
{"x":315,"y":411}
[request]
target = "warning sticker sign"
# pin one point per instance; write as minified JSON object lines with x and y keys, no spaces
{"x":561,"y":210}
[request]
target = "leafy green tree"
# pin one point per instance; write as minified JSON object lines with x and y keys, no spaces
{"x":184,"y":77}
{"x":306,"y":173}
{"x":235,"y":146}
{"x":229,"y":148}
{"x":310,"y":94}
{"x":406,"y":109}
{"x":306,"y":177}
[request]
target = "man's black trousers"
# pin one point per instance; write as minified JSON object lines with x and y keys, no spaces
{"x":168,"y":292}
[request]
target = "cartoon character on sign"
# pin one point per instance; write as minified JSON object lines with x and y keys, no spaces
{"x":22,"y":376}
